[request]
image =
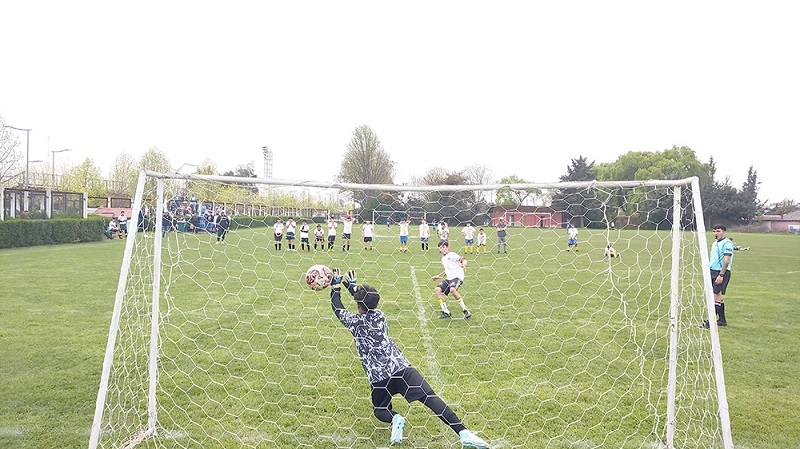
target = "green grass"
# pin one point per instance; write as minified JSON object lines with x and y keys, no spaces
{"x":523,"y":372}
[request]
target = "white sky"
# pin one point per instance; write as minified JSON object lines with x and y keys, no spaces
{"x":521,"y":86}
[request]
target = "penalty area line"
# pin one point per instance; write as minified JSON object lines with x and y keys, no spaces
{"x":427,"y":338}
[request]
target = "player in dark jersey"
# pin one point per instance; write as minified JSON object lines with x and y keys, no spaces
{"x":388,"y":370}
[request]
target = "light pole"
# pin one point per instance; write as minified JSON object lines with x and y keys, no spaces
{"x":53,"y":173}
{"x":27,"y":150}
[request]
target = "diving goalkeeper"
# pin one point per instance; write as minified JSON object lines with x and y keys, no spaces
{"x":388,"y":370}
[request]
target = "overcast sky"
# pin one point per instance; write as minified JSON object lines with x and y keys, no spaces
{"x":520,"y":86}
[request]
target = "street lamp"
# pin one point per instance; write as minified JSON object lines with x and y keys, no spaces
{"x":27,"y":150}
{"x":53,"y":173}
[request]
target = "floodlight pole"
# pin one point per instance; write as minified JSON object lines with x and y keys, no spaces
{"x":53,"y":168}
{"x":27,"y":150}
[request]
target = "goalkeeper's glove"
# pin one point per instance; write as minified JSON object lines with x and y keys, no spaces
{"x":350,"y":277}
{"x":336,"y":280}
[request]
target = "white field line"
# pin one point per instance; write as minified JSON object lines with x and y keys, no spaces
{"x":427,"y":338}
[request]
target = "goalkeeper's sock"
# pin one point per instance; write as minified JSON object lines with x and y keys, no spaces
{"x":461,"y":303}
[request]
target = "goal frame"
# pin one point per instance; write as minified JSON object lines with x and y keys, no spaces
{"x":153,"y":357}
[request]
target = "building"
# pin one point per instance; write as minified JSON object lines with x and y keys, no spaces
{"x":528,"y":216}
{"x":777,"y":223}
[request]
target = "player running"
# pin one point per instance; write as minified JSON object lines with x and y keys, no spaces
{"x":453,"y":276}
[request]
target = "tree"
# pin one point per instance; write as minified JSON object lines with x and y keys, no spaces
{"x":85,"y":178}
{"x":578,"y":204}
{"x":244,"y":171}
{"x":783,"y":207}
{"x":124,"y":175}
{"x":9,"y":156}
{"x":478,"y":175}
{"x":508,"y":197}
{"x":460,"y":206}
{"x":366,"y":162}
{"x":748,"y":204}
{"x":155,"y":160}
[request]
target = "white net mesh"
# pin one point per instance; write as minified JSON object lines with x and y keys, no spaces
{"x":563,"y":349}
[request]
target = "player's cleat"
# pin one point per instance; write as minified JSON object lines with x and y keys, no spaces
{"x":398,"y":422}
{"x":722,"y":323}
{"x":444,"y":315}
{"x":705,"y":325}
{"x":469,"y":439}
{"x":467,"y":314}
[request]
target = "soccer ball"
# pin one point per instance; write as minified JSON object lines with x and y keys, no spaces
{"x":318,"y":277}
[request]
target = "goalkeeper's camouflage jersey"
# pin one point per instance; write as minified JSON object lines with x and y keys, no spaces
{"x":380,"y":356}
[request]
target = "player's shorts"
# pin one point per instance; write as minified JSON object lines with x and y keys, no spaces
{"x":408,"y":383}
{"x":424,"y":239}
{"x":318,"y":240}
{"x":347,"y":235}
{"x":331,"y":238}
{"x":720,"y":288}
{"x":572,"y":242}
{"x":290,"y":236}
{"x":278,"y":237}
{"x":403,"y":239}
{"x":501,"y":239}
{"x":447,"y":284}
{"x":469,"y":241}
{"x":367,"y":239}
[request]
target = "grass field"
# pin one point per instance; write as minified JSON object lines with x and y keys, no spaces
{"x":249,"y":310}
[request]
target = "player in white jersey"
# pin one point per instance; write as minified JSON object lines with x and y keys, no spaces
{"x":572,"y":238}
{"x":443,"y":230}
{"x":305,"y":229}
{"x":368,"y":230}
{"x":331,"y":233}
{"x":469,"y":237}
{"x":290,"y":234}
{"x":404,"y":235}
{"x":453,"y":276}
{"x":277,"y":231}
{"x":481,"y":241}
{"x":424,"y":234}
{"x":347,"y":232}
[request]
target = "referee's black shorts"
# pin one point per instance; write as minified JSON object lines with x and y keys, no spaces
{"x":720,"y":288}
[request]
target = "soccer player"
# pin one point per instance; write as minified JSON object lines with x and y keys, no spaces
{"x":443,"y":230}
{"x":347,"y":232}
{"x":122,"y":221}
{"x":331,"y":234}
{"x":387,"y":368}
{"x":403,"y":235}
{"x":469,"y":238}
{"x":610,"y":252}
{"x":424,"y":234}
{"x":572,"y":238}
{"x":223,"y":223}
{"x":368,"y":230}
{"x":481,"y":241}
{"x":453,"y":276}
{"x":319,"y":237}
{"x":305,"y":229}
{"x":502,"y":238}
{"x":277,"y":231}
{"x":720,"y":261}
{"x":290,"y":233}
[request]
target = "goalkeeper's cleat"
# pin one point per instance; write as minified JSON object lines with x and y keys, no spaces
{"x":398,"y":422}
{"x":469,"y":439}
{"x":467,"y":314}
{"x":444,"y":315}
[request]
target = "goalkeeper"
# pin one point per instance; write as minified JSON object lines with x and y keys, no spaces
{"x":388,"y":370}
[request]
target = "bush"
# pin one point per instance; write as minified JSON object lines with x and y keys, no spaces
{"x":22,"y":232}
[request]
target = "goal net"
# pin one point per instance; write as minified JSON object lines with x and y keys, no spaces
{"x":216,"y":341}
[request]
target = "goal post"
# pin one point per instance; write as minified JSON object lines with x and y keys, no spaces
{"x":216,"y":341}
